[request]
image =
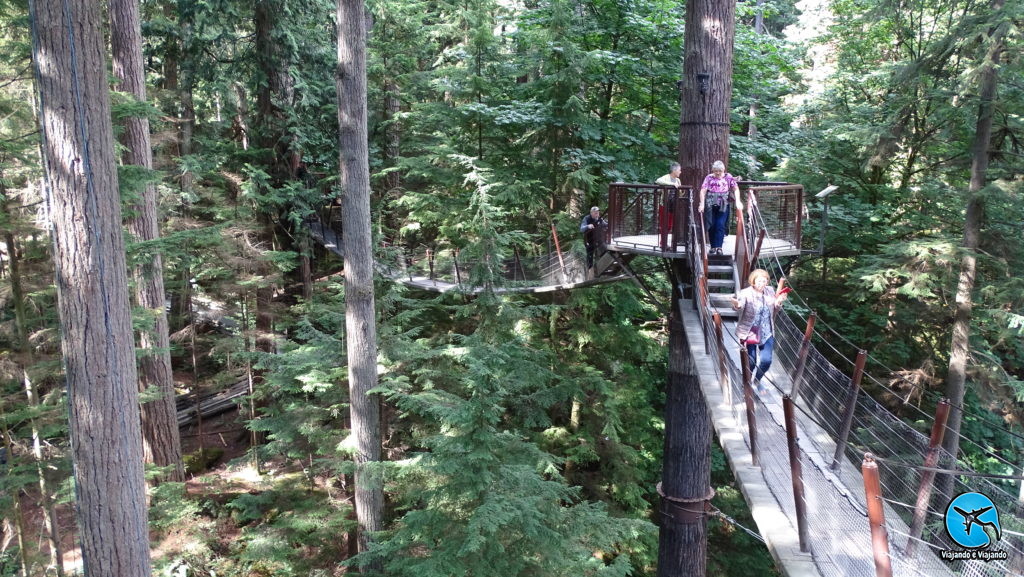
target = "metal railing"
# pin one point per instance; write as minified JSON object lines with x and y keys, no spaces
{"x":774,"y":210}
{"x":649,"y":216}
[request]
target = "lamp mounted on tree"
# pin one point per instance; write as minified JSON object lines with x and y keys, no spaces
{"x":823,"y":195}
{"x":703,"y":79}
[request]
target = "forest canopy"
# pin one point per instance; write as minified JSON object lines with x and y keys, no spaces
{"x":522,"y":434}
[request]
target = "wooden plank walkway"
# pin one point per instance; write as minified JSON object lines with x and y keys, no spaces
{"x":840,"y":540}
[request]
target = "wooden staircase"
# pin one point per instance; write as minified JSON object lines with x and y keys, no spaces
{"x":611,"y":263}
{"x":723,"y":284}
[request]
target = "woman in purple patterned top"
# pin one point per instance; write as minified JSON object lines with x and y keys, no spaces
{"x":717,"y":194}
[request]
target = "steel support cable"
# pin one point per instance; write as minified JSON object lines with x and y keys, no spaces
{"x":716,"y":512}
{"x":1005,"y":543}
{"x":928,"y":510}
{"x":872,"y":358}
{"x":813,"y":418}
{"x":958,"y":472}
{"x":820,"y":465}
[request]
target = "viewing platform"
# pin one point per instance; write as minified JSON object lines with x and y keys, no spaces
{"x":659,"y":220}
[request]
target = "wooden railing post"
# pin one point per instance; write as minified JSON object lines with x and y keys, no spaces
{"x":740,"y":250}
{"x":748,"y":397}
{"x":723,"y":371}
{"x":796,"y":472}
{"x":876,"y":516}
{"x":663,"y":215}
{"x":558,"y":250}
{"x":801,"y":357}
{"x":799,"y":215}
{"x":851,"y":406}
{"x":924,"y":491}
{"x":455,"y":259}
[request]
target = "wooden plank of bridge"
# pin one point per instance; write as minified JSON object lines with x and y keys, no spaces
{"x":778,"y":532}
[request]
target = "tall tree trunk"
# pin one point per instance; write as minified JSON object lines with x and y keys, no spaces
{"x":241,"y":121}
{"x":706,"y":87}
{"x":706,"y":94}
{"x":960,"y":349}
{"x":360,"y":319}
{"x":17,"y":291}
{"x":161,"y":441}
{"x":686,"y":470}
{"x":753,"y":110}
{"x":17,"y":511}
{"x":92,"y":287}
{"x":184,"y":83}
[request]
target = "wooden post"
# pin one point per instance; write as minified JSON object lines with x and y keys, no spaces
{"x":748,"y":397}
{"x":455,"y":259}
{"x":558,"y":250}
{"x":720,"y":349}
{"x":796,"y":472}
{"x":924,"y":491}
{"x":876,"y":516}
{"x":851,"y":405}
{"x":801,"y":358}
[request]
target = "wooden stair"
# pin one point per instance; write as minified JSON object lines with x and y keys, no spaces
{"x":723,"y":284}
{"x":610,"y":263}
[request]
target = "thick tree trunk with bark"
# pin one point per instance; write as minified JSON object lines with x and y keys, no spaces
{"x":360,"y":318}
{"x":92,"y":288}
{"x":706,"y":88}
{"x":161,"y":441}
{"x":686,"y":470}
{"x":706,"y":94}
{"x":960,"y":349}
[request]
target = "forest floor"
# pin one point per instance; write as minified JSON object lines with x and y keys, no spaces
{"x":225,"y":441}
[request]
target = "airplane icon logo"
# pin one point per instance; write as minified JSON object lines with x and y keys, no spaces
{"x":967,"y":518}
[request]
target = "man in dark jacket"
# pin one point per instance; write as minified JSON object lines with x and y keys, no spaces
{"x":593,"y":227}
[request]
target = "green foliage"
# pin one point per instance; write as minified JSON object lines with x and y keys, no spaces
{"x":480,"y":494}
{"x":170,"y":506}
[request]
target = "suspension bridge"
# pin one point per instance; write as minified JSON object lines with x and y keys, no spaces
{"x":838,"y":485}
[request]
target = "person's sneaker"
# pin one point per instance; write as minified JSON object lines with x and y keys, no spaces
{"x":760,"y":388}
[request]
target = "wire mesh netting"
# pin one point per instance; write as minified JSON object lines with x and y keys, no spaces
{"x":779,"y":212}
{"x":646,"y":216}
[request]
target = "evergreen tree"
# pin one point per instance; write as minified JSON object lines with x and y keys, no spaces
{"x":161,"y":442}
{"x":360,"y":314}
{"x":96,"y":332}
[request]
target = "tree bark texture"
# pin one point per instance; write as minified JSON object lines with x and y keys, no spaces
{"x":686,"y":467}
{"x":960,"y":349}
{"x":360,"y":319}
{"x":161,"y":441}
{"x":92,"y":287}
{"x":706,"y":88}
